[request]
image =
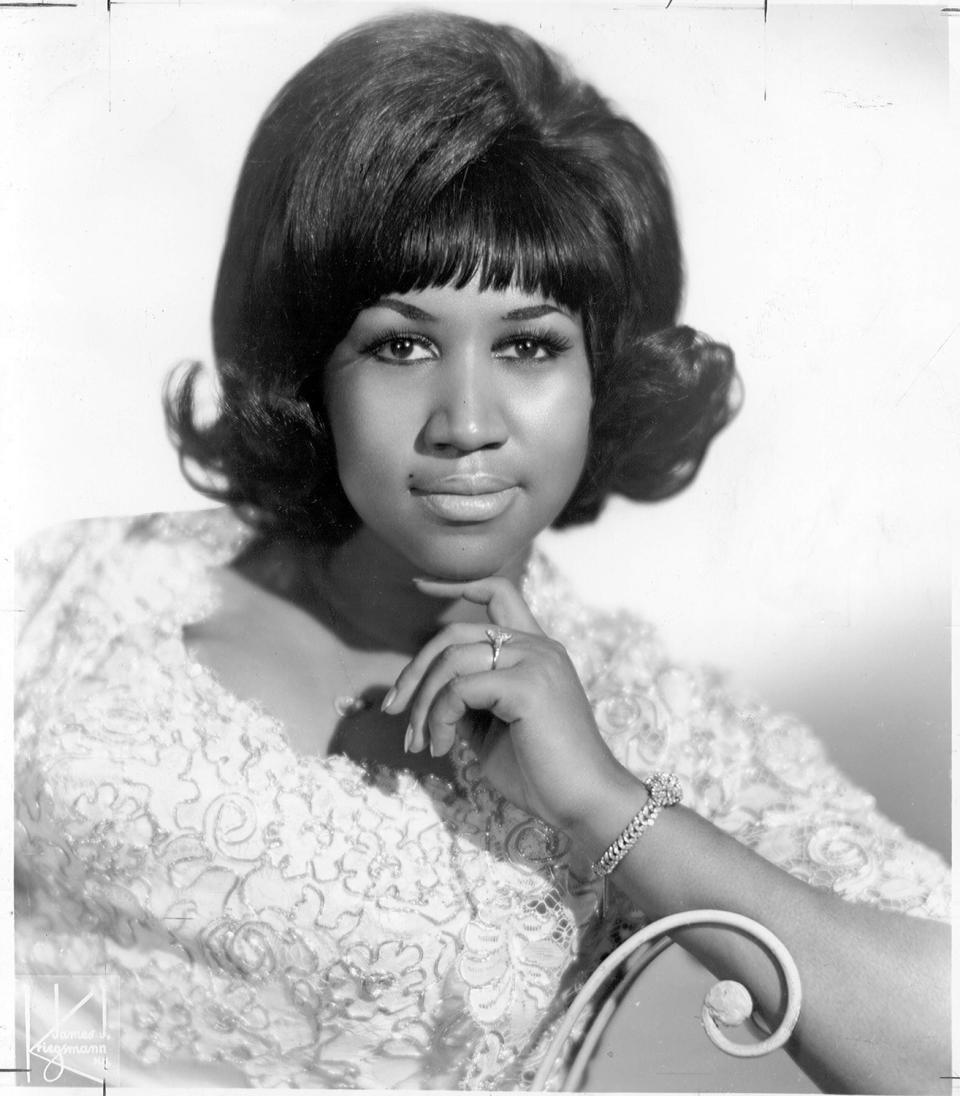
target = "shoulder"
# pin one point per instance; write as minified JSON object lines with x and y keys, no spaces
{"x":103,"y":688}
{"x":761,"y":775}
{"x":60,"y":565}
{"x":658,"y":713}
{"x":610,"y":648}
{"x":97,"y":535}
{"x":93,"y":594}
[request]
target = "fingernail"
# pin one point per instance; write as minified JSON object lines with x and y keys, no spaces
{"x":433,"y":749}
{"x":408,"y":740}
{"x":388,"y":700}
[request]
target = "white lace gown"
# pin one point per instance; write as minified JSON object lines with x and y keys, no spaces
{"x":257,"y":917}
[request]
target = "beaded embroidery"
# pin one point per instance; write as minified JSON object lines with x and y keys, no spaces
{"x":315,"y":924}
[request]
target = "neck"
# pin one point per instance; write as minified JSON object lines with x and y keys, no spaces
{"x":367,"y":591}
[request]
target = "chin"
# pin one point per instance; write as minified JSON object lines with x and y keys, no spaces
{"x":466,"y":557}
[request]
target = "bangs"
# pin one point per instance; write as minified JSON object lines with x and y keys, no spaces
{"x":513,"y":216}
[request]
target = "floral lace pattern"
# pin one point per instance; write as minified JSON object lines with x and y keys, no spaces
{"x":313,"y":923}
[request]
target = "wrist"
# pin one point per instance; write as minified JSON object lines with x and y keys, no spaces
{"x":664,"y":791}
{"x":627,"y":812}
{"x":593,"y":830}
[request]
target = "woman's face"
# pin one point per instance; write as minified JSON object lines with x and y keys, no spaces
{"x":460,"y":420}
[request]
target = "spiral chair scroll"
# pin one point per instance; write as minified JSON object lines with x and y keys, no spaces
{"x":728,"y":1003}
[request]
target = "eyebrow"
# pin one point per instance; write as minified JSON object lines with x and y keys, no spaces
{"x":411,"y":312}
{"x":534,"y":312}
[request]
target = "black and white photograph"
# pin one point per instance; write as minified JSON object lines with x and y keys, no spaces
{"x":477,"y":485}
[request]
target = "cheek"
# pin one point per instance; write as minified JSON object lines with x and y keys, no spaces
{"x":369,"y":432}
{"x":564,"y":425}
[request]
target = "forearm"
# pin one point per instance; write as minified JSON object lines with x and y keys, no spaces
{"x":875,"y":1013}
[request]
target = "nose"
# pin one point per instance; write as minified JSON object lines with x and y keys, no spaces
{"x":467,"y":411}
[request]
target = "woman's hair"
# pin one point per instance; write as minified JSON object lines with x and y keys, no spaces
{"x":425,"y":150}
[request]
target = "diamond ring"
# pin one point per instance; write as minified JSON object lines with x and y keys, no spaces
{"x":497,"y":637}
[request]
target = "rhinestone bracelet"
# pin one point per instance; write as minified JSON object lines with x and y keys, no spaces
{"x":665,"y":791}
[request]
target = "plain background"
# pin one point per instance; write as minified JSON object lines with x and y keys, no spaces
{"x":815,"y":172}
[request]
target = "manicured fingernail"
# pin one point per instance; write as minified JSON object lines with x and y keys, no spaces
{"x":388,"y":700}
{"x":408,"y":740}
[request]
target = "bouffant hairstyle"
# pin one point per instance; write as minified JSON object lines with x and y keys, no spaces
{"x":426,"y":150}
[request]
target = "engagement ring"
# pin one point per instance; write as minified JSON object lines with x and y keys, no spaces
{"x":497,"y":637}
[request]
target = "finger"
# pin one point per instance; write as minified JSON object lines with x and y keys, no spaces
{"x":504,"y":603}
{"x":494,"y":691}
{"x":409,"y":677}
{"x":451,"y":664}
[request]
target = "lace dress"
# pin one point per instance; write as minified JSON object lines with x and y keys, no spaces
{"x":259,"y":917}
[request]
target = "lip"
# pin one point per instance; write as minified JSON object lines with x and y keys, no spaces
{"x":464,"y":483}
{"x":460,"y":507}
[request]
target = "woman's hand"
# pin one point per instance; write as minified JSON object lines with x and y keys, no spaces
{"x":543,"y":751}
{"x":875,"y":985}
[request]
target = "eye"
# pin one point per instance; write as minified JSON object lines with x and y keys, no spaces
{"x":532,"y":346}
{"x":402,"y":347}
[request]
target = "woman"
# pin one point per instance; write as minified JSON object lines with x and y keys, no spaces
{"x":399,"y":762}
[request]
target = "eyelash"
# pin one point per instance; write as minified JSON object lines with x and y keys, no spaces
{"x":552,"y":342}
{"x":395,"y":335}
